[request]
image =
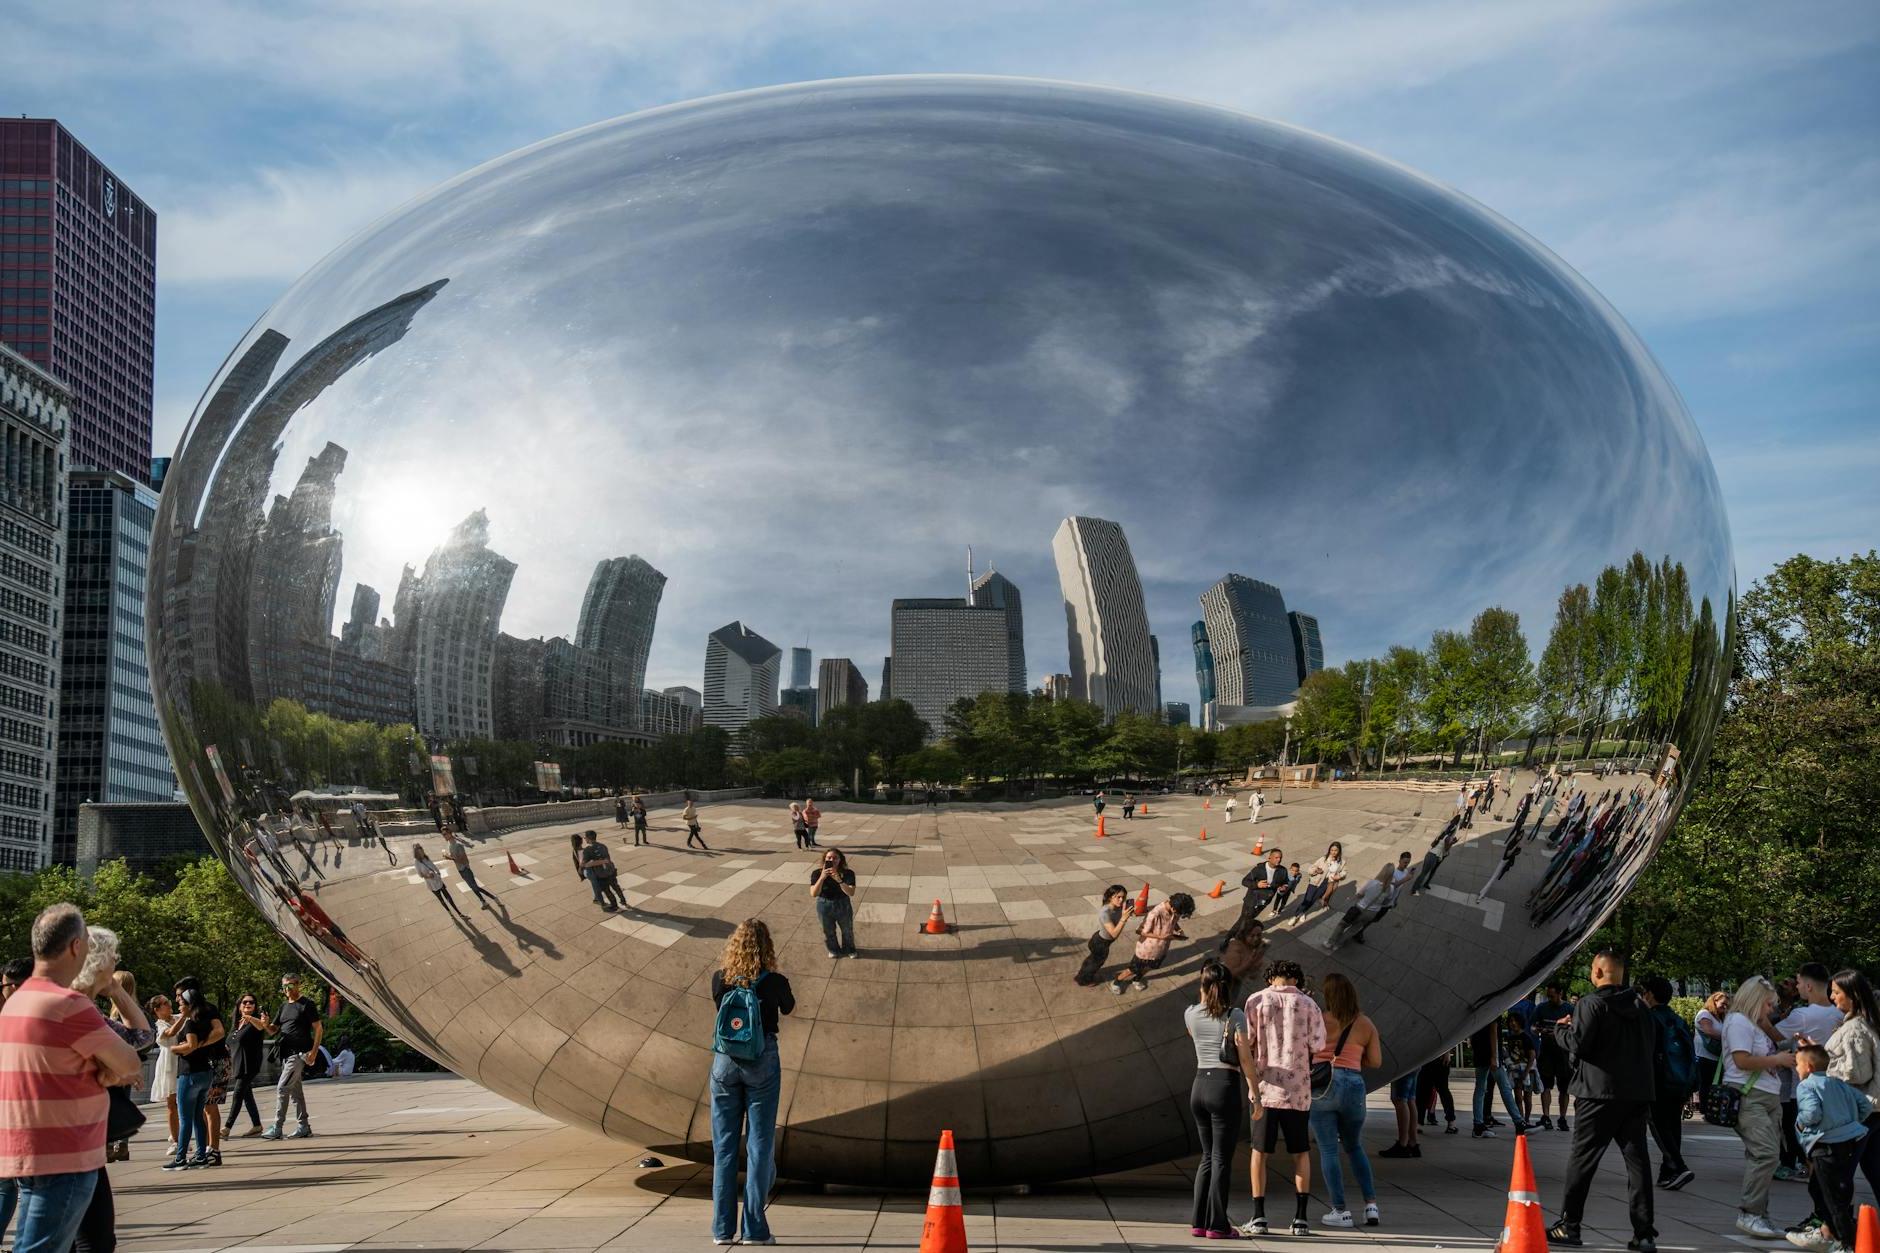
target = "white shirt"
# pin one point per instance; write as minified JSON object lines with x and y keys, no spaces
{"x":1707,"y":1044}
{"x":1817,"y":1022}
{"x":1397,"y":879}
{"x":1740,"y":1035}
{"x":1369,"y":895}
{"x":427,"y":870}
{"x":344,"y":1063}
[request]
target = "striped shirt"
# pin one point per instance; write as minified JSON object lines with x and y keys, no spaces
{"x":52,"y":1107}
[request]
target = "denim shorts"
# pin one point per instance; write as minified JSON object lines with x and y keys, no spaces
{"x":1404,"y":1087}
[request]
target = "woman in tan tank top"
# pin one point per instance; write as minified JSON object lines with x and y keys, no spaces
{"x":1351,"y":1044}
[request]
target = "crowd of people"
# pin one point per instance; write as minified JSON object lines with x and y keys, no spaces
{"x":67,"y":1071}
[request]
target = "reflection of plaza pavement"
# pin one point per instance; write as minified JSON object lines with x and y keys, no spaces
{"x":435,"y":1163}
{"x":606,"y":1019}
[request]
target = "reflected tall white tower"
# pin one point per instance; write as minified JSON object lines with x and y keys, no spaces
{"x":1112,"y":662}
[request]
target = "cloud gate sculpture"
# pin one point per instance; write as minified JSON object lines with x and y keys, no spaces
{"x":505,"y":502}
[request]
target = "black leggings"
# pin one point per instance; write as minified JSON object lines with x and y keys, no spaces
{"x":1094,"y":960}
{"x":240,"y":1097}
{"x":97,"y":1230}
{"x":1220,"y":1111}
{"x":1433,"y":1085}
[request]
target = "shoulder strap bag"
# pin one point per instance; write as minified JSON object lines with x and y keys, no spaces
{"x":1322,"y":1071}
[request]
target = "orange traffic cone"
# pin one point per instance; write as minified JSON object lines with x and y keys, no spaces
{"x":1207,"y":804}
{"x":1145,"y":809}
{"x":945,"y":1228}
{"x":1259,"y":845}
{"x":514,"y":869}
{"x":1523,"y":1230}
{"x":1100,"y":834}
{"x":1204,"y":834}
{"x":1215,"y":893}
{"x":936,"y":921}
{"x":1867,"y":1229}
{"x":1142,"y":902}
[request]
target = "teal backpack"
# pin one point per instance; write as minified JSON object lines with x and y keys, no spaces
{"x":739,"y":1033}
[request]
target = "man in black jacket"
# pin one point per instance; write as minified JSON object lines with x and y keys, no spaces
{"x":1609,"y":1037}
{"x":1261,"y":883}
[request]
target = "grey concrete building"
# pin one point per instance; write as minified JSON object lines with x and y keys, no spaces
{"x":838,"y":682}
{"x":1056,"y":687}
{"x":740,"y":677}
{"x":110,"y":747}
{"x":35,"y":428}
{"x":1112,"y":659}
{"x":946,"y":650}
{"x":674,"y":711}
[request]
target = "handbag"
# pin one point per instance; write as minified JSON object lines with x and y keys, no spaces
{"x":122,"y":1118}
{"x":1723,"y":1103}
{"x":1230,"y":1053}
{"x":1322,"y":1071}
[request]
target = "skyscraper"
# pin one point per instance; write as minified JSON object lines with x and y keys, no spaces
{"x":798,"y":702}
{"x":1112,"y":660}
{"x":1056,"y":687}
{"x":674,"y":711}
{"x":1308,"y":651}
{"x":618,"y":614}
{"x":35,"y":420}
{"x":993,"y":590}
{"x":447,"y":622}
{"x":1251,"y":642}
{"x":1155,"y":656}
{"x":1175,"y":713}
{"x":839,"y":683}
{"x":78,"y":267}
{"x":110,"y":748}
{"x":295,"y":578}
{"x":740,"y":677}
{"x":800,"y":674}
{"x":947,"y":650}
{"x":1204,"y":662}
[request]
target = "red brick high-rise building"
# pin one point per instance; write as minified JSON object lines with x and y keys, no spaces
{"x":78,"y":288}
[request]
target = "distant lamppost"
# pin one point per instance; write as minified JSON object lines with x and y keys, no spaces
{"x":1285,"y":752}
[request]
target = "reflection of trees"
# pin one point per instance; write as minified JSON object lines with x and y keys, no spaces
{"x":1628,"y":653}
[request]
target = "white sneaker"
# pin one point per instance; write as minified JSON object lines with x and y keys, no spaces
{"x":1758,"y":1226}
{"x":1253,"y":1227}
{"x":1813,"y":1238}
{"x":1337,"y":1218}
{"x":1370,"y":1213}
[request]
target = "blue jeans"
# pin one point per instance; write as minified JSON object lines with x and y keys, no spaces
{"x":1483,"y":1099}
{"x":192,"y":1098}
{"x":50,"y":1209}
{"x":1338,"y":1117}
{"x":837,"y":912}
{"x":744,"y":1095}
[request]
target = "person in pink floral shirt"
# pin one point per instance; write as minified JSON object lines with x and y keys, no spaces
{"x":1285,"y":1026}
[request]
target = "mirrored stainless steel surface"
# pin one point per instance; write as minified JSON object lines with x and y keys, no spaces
{"x":504,"y":467}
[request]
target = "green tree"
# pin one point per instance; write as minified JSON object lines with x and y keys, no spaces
{"x":1500,"y":678}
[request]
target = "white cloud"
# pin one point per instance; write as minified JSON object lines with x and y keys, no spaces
{"x":283,"y":221}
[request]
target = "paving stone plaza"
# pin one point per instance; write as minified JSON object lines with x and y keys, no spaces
{"x":435,"y":1162}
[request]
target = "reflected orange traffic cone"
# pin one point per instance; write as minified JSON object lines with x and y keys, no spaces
{"x":1100,"y":834}
{"x":1142,"y":902}
{"x":1867,"y":1239}
{"x":1207,"y":804}
{"x":514,"y":869}
{"x":1523,"y":1230}
{"x":945,"y":1228}
{"x":1204,"y":834}
{"x":1215,"y":893}
{"x":936,"y":921}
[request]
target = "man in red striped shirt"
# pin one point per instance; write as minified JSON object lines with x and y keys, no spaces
{"x":57,"y":1057}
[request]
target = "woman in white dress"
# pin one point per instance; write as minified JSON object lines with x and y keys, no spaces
{"x":163,"y":1074}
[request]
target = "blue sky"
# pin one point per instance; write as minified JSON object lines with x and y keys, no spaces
{"x":1711,"y":168}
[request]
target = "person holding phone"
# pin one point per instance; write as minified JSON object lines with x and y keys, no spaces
{"x":831,"y":884}
{"x":251,"y":1027}
{"x":298,"y":1024}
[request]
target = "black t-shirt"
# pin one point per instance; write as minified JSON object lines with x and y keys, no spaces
{"x":247,"y":1050}
{"x":202,"y":1025}
{"x":829,"y":887}
{"x":296,"y":1021}
{"x":773,"y":997}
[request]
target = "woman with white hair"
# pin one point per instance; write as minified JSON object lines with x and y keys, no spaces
{"x":1752,"y":1066}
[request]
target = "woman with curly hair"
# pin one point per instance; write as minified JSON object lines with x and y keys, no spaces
{"x":744,"y":1092}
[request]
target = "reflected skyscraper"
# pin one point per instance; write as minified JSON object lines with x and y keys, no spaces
{"x":296,"y":579}
{"x":446,"y":622}
{"x":1308,"y":651}
{"x":618,"y":614}
{"x":947,"y":650}
{"x":1112,"y":659}
{"x":839,"y":683}
{"x":1204,"y":662}
{"x":1250,"y":640}
{"x":994,"y":591}
{"x":740,"y":677}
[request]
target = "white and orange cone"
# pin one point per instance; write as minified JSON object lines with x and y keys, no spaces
{"x":1523,"y":1230}
{"x":945,"y":1228}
